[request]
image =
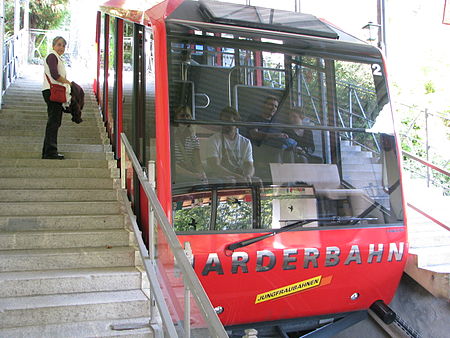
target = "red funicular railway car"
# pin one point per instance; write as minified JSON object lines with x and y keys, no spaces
{"x":292,"y":206}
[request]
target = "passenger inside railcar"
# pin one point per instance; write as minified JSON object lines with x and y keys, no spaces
{"x":229,"y":154}
{"x":186,"y":149}
{"x":304,"y":137}
{"x":271,"y":145}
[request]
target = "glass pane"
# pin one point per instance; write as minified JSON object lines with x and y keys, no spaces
{"x":182,"y":305}
{"x":127,"y":79}
{"x":150,"y":97}
{"x":234,"y":211}
{"x":111,"y":75}
{"x":285,"y":116}
{"x":192,"y":212}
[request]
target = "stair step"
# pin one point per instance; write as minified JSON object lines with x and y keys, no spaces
{"x":25,"y":115}
{"x":59,"y":208}
{"x":75,"y":222}
{"x":38,"y":125}
{"x":63,"y":239}
{"x":62,"y":133}
{"x":58,"y":259}
{"x":61,"y":147}
{"x":67,"y":163}
{"x":68,"y":155}
{"x":58,"y":172}
{"x":358,"y":161}
{"x":68,"y":308}
{"x":50,"y":282}
{"x":52,"y":195}
{"x":56,"y":183}
{"x":8,"y":140}
{"x":429,"y":256}
{"x":99,"y":328}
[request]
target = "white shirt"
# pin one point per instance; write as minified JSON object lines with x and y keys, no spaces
{"x":239,"y":149}
{"x":61,"y":71}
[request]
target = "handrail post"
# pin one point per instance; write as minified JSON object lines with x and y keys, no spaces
{"x":151,"y":231}
{"x":187,"y":293}
{"x":427,"y":147}
{"x":122,"y":166}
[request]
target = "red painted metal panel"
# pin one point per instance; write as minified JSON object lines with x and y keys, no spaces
{"x":163,"y":165}
{"x":287,"y":281}
{"x":97,"y":44}
{"x":119,"y":70}
{"x":446,"y":18}
{"x":106,"y":76}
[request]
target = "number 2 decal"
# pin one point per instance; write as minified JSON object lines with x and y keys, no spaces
{"x":376,"y":70}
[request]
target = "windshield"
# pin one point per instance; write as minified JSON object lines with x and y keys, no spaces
{"x":263,"y":132}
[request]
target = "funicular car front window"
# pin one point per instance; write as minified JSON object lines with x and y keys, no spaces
{"x":263,"y":117}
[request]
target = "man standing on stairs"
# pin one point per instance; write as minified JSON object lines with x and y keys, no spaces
{"x":55,"y":71}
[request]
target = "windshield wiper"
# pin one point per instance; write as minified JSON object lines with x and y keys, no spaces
{"x":296,"y":224}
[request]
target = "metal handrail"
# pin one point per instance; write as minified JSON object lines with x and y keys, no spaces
{"x":434,"y":167}
{"x":428,"y":216}
{"x":215,"y":327}
{"x":424,"y":162}
{"x":10,"y":61}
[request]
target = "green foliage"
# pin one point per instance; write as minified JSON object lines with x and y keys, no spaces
{"x":44,"y":14}
{"x":429,"y":87}
{"x":48,"y":14}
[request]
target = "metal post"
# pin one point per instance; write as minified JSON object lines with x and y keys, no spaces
{"x":2,"y":36}
{"x":427,"y":147}
{"x":382,"y":25}
{"x":350,"y":113}
{"x":151,"y":233}
{"x":297,"y":6}
{"x":151,"y":215}
{"x":187,"y":293}
{"x":122,"y":166}
{"x":187,"y":311}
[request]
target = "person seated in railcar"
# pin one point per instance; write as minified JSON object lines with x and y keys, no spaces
{"x":280,"y":142}
{"x":270,"y":144}
{"x":304,"y":137}
{"x":229,"y":154}
{"x":186,"y":148}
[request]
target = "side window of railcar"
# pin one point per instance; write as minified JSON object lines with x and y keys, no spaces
{"x":192,"y":212}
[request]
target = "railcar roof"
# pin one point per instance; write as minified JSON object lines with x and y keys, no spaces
{"x":258,"y":17}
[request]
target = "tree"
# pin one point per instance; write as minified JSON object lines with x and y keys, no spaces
{"x":44,"y":14}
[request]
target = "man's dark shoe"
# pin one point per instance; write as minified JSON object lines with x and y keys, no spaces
{"x":53,"y":157}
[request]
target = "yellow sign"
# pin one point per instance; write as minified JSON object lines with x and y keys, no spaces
{"x":293,"y":288}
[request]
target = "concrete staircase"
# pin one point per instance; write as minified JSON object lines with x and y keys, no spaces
{"x":362,"y":171}
{"x":429,"y":259}
{"x":429,"y":252}
{"x":68,"y":263}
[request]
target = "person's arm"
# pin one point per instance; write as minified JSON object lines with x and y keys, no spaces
{"x":249,"y":169}
{"x":219,"y":170}
{"x":52,"y":62}
{"x":259,"y":135}
{"x":199,"y":170}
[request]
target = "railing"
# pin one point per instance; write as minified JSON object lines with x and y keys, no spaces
{"x":419,"y":140}
{"x":431,"y":167}
{"x":165,"y":259}
{"x":10,"y":62}
{"x":41,"y":42}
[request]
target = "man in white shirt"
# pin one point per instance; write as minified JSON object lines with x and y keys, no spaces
{"x":229,"y":154}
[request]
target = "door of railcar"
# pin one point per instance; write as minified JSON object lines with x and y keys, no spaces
{"x":311,"y":222}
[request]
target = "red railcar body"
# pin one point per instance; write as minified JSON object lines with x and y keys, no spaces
{"x":351,"y":250}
